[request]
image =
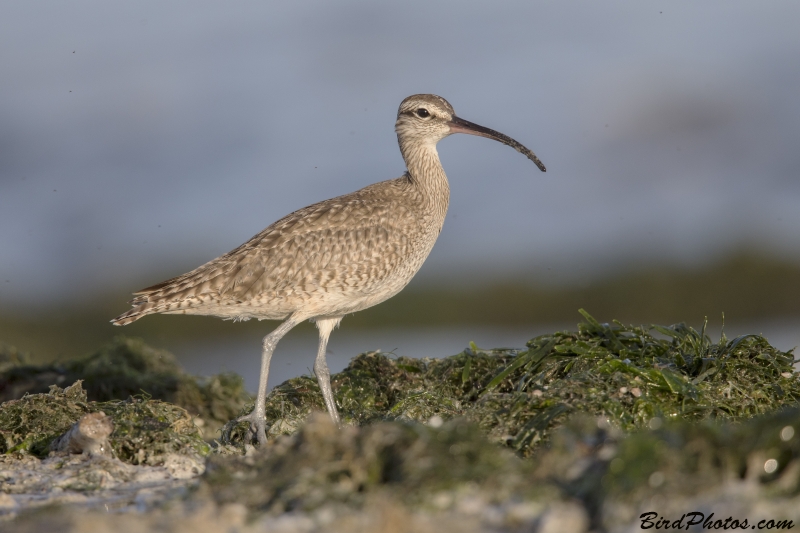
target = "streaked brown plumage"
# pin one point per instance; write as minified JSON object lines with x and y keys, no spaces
{"x":332,"y":258}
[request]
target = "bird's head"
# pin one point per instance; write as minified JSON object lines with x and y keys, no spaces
{"x":426,"y":119}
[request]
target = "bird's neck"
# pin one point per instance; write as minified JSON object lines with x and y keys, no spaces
{"x":426,"y":173}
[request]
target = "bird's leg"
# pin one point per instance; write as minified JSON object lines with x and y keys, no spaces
{"x":258,"y":423}
{"x":325,"y":326}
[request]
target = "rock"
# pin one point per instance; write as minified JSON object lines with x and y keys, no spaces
{"x":89,"y":436}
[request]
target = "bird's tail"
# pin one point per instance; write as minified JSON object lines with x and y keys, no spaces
{"x":129,"y":316}
{"x":165,"y":297}
{"x":142,"y":306}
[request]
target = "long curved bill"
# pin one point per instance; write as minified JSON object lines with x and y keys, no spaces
{"x":459,"y":125}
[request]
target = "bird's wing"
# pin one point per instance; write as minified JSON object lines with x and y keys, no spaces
{"x":342,"y":244}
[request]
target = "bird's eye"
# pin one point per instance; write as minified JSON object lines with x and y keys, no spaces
{"x":423,"y":113}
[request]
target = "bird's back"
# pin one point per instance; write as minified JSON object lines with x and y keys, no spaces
{"x":328,"y":259}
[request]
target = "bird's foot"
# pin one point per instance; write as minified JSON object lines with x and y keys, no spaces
{"x":258,"y":427}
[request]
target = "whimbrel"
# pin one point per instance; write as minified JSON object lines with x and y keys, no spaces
{"x":332,"y":258}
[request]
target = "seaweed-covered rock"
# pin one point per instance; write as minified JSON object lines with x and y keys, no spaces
{"x":403,"y":476}
{"x":145,"y":430}
{"x":692,"y":458}
{"x":748,"y":469}
{"x":608,"y":422}
{"x":419,"y":465}
{"x":126,"y":367}
{"x":29,"y":425}
{"x":628,"y":374}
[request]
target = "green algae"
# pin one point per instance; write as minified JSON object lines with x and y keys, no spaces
{"x":127,"y":367}
{"x":629,"y":374}
{"x":145,"y":430}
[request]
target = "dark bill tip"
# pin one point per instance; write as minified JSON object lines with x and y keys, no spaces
{"x":459,"y":125}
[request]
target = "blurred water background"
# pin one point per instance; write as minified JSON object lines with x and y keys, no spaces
{"x":138,"y":141}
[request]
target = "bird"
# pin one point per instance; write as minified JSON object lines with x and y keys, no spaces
{"x":332,"y":258}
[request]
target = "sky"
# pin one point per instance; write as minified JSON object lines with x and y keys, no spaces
{"x":139,"y":140}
